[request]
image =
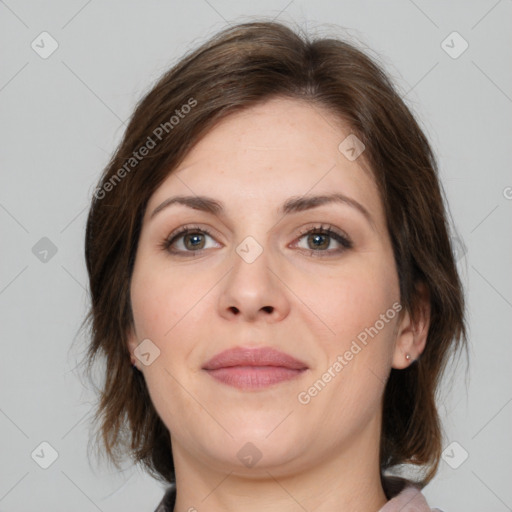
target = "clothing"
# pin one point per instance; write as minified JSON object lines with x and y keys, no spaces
{"x":408,"y":499}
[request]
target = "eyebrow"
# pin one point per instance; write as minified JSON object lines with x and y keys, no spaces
{"x":291,"y":205}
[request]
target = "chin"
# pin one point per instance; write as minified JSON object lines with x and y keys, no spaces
{"x":253,"y":456}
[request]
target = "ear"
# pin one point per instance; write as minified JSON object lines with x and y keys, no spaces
{"x":412,"y":332}
{"x":132,"y":343}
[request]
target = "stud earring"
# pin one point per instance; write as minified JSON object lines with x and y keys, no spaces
{"x":408,"y":357}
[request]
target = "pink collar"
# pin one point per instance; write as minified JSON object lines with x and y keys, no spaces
{"x":409,"y":500}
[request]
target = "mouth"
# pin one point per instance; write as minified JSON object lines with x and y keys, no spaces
{"x":257,"y":368}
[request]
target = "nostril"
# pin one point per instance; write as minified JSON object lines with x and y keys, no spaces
{"x":268,"y":309}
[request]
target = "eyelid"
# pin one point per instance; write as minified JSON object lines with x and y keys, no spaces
{"x":327,"y":228}
{"x":189,"y":227}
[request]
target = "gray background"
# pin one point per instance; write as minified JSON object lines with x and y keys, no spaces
{"x":62,"y":117}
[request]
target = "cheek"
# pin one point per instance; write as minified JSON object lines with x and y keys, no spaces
{"x":347,"y":386}
{"x":162,"y":310}
{"x":161,"y":301}
{"x":169,"y":308}
{"x":352,"y":302}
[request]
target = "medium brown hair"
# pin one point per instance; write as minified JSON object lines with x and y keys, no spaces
{"x":239,"y":67}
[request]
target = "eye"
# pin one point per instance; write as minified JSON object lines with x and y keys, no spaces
{"x":188,"y":239}
{"x":320,"y":238}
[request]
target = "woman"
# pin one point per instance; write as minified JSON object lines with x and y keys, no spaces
{"x":269,"y":249}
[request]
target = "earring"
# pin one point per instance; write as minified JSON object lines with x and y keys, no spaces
{"x":408,"y":357}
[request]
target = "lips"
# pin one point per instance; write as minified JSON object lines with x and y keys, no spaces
{"x":264,"y":356}
{"x":253,"y":369}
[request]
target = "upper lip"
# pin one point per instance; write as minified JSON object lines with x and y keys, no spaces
{"x":263,"y":356}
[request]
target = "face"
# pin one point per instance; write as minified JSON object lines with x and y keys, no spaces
{"x":316,"y":281}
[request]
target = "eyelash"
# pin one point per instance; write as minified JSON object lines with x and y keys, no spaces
{"x":339,"y":237}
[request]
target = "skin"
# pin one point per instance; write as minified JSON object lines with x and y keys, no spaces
{"x":309,"y":302}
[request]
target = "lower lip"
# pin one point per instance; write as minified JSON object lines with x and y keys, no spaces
{"x":254,"y":377}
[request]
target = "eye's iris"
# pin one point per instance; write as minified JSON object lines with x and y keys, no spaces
{"x":196,"y":241}
{"x":317,"y":241}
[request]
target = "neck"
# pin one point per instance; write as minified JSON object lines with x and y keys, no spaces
{"x":345,"y":479}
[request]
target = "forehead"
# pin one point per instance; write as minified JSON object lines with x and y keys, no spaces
{"x":269,"y":152}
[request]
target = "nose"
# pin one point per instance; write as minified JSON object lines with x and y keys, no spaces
{"x":253,"y":290}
